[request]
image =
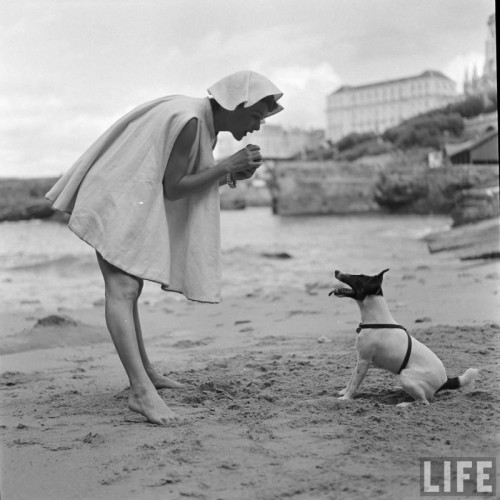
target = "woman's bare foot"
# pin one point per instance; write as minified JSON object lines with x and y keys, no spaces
{"x":162,"y":382}
{"x":148,"y":403}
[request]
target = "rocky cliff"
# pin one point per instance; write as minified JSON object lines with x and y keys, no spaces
{"x":466,"y":192}
{"x":23,"y":199}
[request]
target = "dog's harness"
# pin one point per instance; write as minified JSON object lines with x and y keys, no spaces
{"x":380,"y":325}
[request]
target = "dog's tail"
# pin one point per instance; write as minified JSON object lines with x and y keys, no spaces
{"x":461,"y":381}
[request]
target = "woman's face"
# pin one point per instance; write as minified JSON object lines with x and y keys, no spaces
{"x":244,"y":121}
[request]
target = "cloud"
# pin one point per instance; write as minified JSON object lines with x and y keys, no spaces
{"x":70,"y":69}
{"x":305,"y":90}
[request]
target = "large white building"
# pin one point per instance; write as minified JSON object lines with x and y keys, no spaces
{"x":377,"y":106}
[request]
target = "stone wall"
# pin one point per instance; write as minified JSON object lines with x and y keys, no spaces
{"x":346,"y":188}
{"x":467,"y":193}
{"x":324,"y":188}
{"x":416,"y":189}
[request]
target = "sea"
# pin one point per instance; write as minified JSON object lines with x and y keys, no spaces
{"x":43,"y":265}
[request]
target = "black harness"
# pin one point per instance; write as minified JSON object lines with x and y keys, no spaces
{"x":379,"y":325}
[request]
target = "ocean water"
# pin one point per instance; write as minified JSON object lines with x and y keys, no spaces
{"x":44,"y":265}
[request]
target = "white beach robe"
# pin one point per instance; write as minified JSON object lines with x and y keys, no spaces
{"x":114,"y":194}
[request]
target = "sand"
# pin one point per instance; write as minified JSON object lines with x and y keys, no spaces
{"x":261,"y":417}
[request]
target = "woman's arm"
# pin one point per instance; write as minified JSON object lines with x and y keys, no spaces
{"x":177,"y":183}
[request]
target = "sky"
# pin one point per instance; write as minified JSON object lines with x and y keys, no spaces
{"x":70,"y":68}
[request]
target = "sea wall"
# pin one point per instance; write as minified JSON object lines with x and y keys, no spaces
{"x":324,"y":188}
{"x":467,"y":193}
{"x":246,"y":195}
{"x":345,"y":188}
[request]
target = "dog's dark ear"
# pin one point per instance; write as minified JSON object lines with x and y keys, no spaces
{"x":383,"y":272}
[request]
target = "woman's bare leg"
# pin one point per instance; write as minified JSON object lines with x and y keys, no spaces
{"x":122,"y":291}
{"x":159,"y":381}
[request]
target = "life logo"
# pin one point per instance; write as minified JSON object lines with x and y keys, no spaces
{"x":458,"y":476}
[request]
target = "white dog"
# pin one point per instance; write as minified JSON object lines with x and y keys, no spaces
{"x":383,"y":343}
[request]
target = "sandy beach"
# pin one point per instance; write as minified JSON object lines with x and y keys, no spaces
{"x":260,"y":416}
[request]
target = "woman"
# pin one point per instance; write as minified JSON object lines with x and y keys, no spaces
{"x":145,"y":196}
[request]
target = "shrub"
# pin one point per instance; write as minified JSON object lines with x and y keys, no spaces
{"x":351,"y":140}
{"x":425,"y":130}
{"x":367,"y":148}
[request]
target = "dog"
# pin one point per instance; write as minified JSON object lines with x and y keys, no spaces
{"x":383,"y":343}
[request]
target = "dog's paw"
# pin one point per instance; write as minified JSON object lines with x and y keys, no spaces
{"x":342,"y":392}
{"x":405,"y":404}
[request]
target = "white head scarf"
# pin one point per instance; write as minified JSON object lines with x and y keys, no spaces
{"x":247,"y":88}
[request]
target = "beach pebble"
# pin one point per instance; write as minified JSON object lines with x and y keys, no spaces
{"x":324,"y":340}
{"x":165,"y":481}
{"x":425,"y":319}
{"x":55,"y":320}
{"x":276,"y":255}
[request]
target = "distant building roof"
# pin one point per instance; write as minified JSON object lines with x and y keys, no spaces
{"x":483,"y":149}
{"x":426,"y":74}
{"x":453,"y":149}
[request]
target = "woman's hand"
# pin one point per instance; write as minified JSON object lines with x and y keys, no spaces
{"x":244,"y":163}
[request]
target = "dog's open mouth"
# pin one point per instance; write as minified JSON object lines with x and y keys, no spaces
{"x":342,"y":291}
